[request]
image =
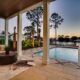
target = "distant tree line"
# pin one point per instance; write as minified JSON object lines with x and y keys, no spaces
{"x":66,"y":39}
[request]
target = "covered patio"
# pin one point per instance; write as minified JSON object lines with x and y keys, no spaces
{"x":10,"y":9}
{"x":44,"y":70}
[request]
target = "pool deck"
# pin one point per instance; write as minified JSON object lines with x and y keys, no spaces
{"x":53,"y":71}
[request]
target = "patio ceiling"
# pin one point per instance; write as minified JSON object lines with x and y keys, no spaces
{"x":9,"y":7}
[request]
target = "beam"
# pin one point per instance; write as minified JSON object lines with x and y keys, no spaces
{"x":45,"y":33}
{"x":19,"y":36}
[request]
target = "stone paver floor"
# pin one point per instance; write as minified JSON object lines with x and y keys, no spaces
{"x":53,"y":71}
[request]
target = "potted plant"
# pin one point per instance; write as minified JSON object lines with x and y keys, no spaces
{"x":7,"y":49}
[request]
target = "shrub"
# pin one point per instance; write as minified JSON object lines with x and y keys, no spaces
{"x":35,"y":43}
{"x":7,"y":49}
{"x":11,"y":44}
{"x":26,"y":44}
{"x":2,"y":41}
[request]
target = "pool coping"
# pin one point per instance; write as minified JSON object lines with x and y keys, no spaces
{"x":71,"y":47}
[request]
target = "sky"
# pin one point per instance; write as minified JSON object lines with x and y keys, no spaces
{"x":68,"y":9}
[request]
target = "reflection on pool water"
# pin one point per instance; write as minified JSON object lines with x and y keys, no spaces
{"x":67,"y":54}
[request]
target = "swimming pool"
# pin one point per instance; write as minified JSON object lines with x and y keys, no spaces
{"x":67,"y":54}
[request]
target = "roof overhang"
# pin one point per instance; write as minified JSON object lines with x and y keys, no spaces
{"x":10,"y":7}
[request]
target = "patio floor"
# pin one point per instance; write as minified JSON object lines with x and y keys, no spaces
{"x":53,"y":71}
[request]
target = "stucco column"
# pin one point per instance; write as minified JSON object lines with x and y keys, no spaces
{"x":6,"y":32}
{"x":45,"y":33}
{"x":19,"y":36}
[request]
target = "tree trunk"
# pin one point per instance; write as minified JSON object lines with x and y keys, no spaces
{"x":55,"y":35}
{"x":33,"y":39}
{"x":14,"y":41}
{"x":39,"y":39}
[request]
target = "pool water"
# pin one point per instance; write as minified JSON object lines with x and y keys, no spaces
{"x":67,"y":54}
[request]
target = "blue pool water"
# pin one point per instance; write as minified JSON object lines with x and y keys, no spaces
{"x":67,"y":54}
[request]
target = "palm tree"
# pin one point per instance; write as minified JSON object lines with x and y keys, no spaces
{"x":34,"y":16}
{"x":32,"y":33}
{"x":39,"y":38}
{"x":56,"y":20}
{"x":29,"y":32}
